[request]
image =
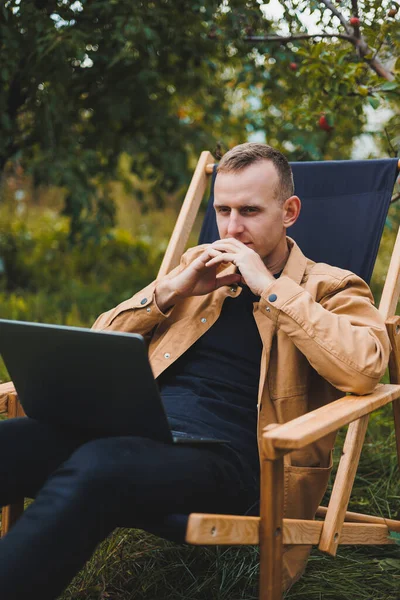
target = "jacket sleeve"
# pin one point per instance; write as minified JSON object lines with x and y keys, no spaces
{"x":140,"y":313}
{"x":342,"y":334}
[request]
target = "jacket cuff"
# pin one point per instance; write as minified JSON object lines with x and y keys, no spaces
{"x":142,"y":306}
{"x":275,"y":296}
{"x":146,"y":299}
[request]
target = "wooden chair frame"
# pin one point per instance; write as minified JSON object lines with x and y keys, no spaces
{"x":271,"y":530}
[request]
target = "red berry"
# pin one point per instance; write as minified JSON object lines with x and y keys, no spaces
{"x":393,"y":12}
{"x":293,"y":66}
{"x":323,"y":123}
{"x":354,"y":21}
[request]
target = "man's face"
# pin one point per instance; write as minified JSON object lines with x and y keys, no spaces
{"x":248,"y":210}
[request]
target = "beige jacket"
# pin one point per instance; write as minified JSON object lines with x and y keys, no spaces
{"x":321,"y":336}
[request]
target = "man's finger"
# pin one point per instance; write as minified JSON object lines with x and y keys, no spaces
{"x":230,"y":243}
{"x":222,"y":257}
{"x":207,"y":254}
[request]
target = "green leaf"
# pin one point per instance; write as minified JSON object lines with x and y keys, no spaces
{"x":362,"y":90}
{"x":330,"y":119}
{"x":390,"y":85}
{"x":374,"y":102}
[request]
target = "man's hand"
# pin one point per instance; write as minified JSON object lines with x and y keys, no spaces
{"x":250,"y":264}
{"x":196,"y":279}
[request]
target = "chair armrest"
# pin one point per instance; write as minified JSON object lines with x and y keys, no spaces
{"x":320,"y":422}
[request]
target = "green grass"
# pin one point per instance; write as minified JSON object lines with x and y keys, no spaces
{"x":133,"y":564}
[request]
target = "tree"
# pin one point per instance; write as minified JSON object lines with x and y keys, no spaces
{"x":86,"y":83}
{"x":329,"y":77}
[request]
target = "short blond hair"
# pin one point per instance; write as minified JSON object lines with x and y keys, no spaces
{"x":244,"y":155}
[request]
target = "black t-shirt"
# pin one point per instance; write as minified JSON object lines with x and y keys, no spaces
{"x":212,"y":389}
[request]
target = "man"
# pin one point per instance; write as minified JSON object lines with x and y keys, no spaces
{"x":245,"y":322}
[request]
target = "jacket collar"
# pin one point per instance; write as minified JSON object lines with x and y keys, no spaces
{"x":296,"y":263}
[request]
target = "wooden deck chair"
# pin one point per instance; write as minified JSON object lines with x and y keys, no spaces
{"x":270,"y":529}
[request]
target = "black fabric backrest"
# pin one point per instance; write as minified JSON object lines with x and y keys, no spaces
{"x":344,"y":207}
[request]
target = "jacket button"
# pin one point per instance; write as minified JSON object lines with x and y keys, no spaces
{"x":267,"y":308}
{"x":232,"y":289}
{"x":148,"y":309}
{"x":272,"y":297}
{"x":167,"y":355}
{"x":203,"y":320}
{"x":143,"y":301}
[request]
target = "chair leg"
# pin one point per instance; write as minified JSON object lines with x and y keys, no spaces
{"x":393,"y":329}
{"x":271,"y":532}
{"x":396,"y":417}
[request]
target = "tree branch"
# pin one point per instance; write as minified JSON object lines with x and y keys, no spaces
{"x":359,"y":43}
{"x":364,"y":50}
{"x":391,"y":150}
{"x":284,"y":39}
{"x":334,"y":10}
{"x":354,"y":7}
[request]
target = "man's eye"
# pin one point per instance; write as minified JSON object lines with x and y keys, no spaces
{"x":249,"y":209}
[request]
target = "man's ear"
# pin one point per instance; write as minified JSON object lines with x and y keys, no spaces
{"x":291,"y":210}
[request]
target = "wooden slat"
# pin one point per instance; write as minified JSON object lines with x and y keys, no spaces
{"x":393,"y":329}
{"x":241,"y":531}
{"x":7,"y":388}
{"x":361,"y":518}
{"x":11,"y":513}
{"x":271,"y":529}
{"x":310,"y":427}
{"x":187,"y":216}
{"x":391,"y":289}
{"x":343,"y":485}
{"x":222,"y":529}
{"x":3,"y":403}
{"x":210,"y":168}
{"x":14,"y":407}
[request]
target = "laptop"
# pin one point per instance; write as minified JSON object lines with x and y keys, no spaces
{"x":87,"y":379}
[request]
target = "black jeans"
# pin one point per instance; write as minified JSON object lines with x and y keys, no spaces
{"x":84,"y":487}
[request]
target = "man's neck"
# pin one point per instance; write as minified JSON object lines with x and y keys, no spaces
{"x":278,"y":260}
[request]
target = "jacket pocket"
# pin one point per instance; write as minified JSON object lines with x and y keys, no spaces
{"x":304,"y":490}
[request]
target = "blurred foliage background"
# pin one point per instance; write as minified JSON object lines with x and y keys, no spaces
{"x":101,"y":91}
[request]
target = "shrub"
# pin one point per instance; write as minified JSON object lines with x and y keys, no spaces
{"x":44,"y":278}
{"x":39,"y":258}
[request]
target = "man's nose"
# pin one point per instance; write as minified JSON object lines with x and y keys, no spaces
{"x":234,"y":226}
